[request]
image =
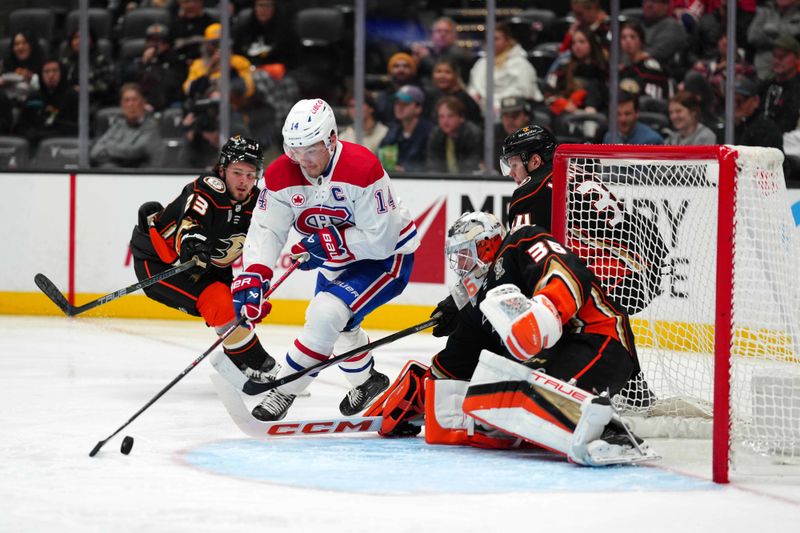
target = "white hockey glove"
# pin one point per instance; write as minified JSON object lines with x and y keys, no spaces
{"x":525,"y":325}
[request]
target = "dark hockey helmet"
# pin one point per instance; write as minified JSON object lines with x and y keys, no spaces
{"x":527,"y":141}
{"x":240,"y":148}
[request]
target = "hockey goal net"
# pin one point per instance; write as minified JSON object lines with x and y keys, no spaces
{"x":699,"y":245}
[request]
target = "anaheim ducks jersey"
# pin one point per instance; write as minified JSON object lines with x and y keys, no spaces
{"x":646,"y":78}
{"x":354,"y":194}
{"x":537,"y":263}
{"x":204,"y":207}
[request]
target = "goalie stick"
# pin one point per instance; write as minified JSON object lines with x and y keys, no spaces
{"x":286,"y":428}
{"x":192,"y":365}
{"x":253,"y":388}
{"x":51,"y":291}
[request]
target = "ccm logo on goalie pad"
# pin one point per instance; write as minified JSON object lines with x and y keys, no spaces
{"x":285,"y":429}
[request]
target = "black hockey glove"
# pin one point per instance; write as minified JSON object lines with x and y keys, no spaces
{"x":196,"y":245}
{"x":449,"y":320}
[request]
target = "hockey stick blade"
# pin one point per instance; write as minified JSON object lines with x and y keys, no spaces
{"x":252,"y":388}
{"x":286,"y":428}
{"x":51,"y":291}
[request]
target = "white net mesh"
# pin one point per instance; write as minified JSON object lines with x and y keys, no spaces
{"x":653,"y":246}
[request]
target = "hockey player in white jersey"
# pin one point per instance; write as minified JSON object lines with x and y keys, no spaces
{"x":356,"y":232}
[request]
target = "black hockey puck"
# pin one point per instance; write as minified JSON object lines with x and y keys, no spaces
{"x":127,"y":445}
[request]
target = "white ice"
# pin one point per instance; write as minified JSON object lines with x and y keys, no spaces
{"x":65,"y":384}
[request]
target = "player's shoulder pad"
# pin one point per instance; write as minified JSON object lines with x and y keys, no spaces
{"x":357,"y":165}
{"x":283,"y":173}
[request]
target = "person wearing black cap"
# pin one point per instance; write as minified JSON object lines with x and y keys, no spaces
{"x":781,"y":96}
{"x":752,"y":127}
{"x":158,"y":70}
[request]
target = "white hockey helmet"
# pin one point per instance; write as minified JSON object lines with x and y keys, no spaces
{"x":308,"y":122}
{"x":472,"y":243}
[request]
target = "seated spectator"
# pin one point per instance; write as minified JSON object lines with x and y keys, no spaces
{"x":132,"y":140}
{"x":752,"y":127}
{"x":373,"y":130}
{"x":641,"y":74}
{"x":781,"y":96}
{"x":101,"y":70}
{"x":447,"y":82}
{"x":201,"y":126}
{"x":515,"y":112}
{"x":267,"y":35}
{"x":631,"y":131}
{"x":52,"y":111}
{"x":187,"y":28}
{"x":589,"y":14}
{"x":664,"y":35}
{"x":6,"y":114}
{"x":21,"y":65}
{"x":444,"y":45}
{"x":455,"y":144}
{"x":707,"y":80}
{"x":204,"y":73}
{"x":513,"y":73}
{"x":158,"y":71}
{"x":780,"y":18}
{"x":579,"y":84}
{"x":402,"y":71}
{"x":684,"y":113}
{"x":404,"y":146}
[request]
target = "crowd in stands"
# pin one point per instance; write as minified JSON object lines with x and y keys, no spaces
{"x":154,"y":79}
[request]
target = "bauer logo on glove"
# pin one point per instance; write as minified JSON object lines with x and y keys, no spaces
{"x":315,"y":249}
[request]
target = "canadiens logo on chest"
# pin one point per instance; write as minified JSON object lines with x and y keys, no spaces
{"x":315,"y":218}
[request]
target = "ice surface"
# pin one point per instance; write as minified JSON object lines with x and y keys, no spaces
{"x":67,"y":383}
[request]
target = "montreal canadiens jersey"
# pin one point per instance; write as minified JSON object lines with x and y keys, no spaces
{"x":355,"y":195}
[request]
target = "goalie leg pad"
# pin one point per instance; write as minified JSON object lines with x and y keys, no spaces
{"x":403,"y":402}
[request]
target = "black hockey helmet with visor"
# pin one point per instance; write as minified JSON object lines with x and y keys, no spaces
{"x":525,"y":142}
{"x":240,"y":148}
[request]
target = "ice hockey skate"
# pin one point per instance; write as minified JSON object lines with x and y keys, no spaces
{"x":359,"y":397}
{"x":274,"y":406}
{"x":264,"y":374}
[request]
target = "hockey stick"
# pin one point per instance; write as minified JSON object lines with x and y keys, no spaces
{"x":223,"y":364}
{"x":264,"y":430}
{"x":193,"y":364}
{"x":52,"y":292}
{"x":252,"y":388}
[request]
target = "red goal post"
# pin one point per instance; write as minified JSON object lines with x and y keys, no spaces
{"x":704,"y":259}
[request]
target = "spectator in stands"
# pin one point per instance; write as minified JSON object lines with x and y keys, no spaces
{"x":664,"y":35}
{"x":455,"y":144}
{"x":187,"y":28}
{"x":639,"y":73}
{"x":404,"y":146}
{"x":201,"y":125}
{"x":515,"y":112}
{"x":752,"y":127}
{"x":589,"y":14}
{"x":684,"y":113}
{"x":447,"y":82}
{"x":780,"y":18}
{"x":513,"y":73}
{"x":402,"y":71}
{"x":712,"y":24}
{"x":101,"y":70}
{"x":707,"y":80}
{"x":6,"y":114}
{"x":158,"y":71}
{"x":21,"y":64}
{"x":444,"y":45}
{"x":132,"y":140}
{"x":204,"y":73}
{"x":781,"y":96}
{"x":267,"y":36}
{"x":373,"y":130}
{"x":52,"y":111}
{"x":579,"y":84}
{"x":631,"y":131}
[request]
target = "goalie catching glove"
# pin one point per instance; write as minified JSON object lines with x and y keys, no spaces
{"x":315,"y":249}
{"x":526,"y":325}
{"x":248,"y":290}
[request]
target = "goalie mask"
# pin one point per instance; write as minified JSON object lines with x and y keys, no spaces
{"x":472,"y":244}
